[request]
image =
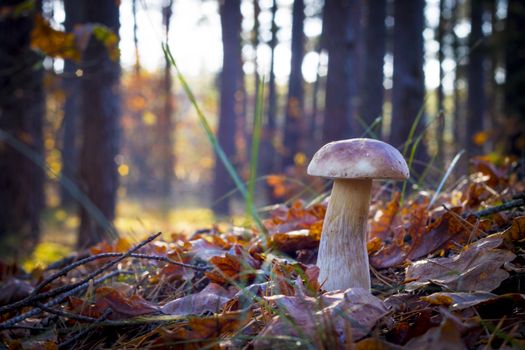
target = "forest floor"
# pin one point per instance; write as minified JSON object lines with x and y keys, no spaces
{"x":448,"y":272}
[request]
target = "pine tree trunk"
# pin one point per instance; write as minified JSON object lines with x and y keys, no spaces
{"x":100,"y":114}
{"x":165,"y":121}
{"x":340,"y":42}
{"x":475,"y":76}
{"x":294,"y":122}
{"x":373,"y":62}
{"x":70,"y":125}
{"x":409,"y":81}
{"x":21,"y":117}
{"x":440,"y":93}
{"x":515,"y":79}
{"x":230,"y":106}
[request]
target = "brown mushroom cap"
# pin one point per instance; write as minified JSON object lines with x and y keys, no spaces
{"x":358,"y":159}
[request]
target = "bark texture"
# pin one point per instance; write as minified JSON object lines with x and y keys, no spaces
{"x":100,"y":114}
{"x":372,"y":82}
{"x":294,"y":122}
{"x":21,"y":116}
{"x":409,"y":81}
{"x":230,"y":103}
{"x":340,"y":42}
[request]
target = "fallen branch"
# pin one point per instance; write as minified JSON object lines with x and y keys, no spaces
{"x":515,"y":203}
{"x":65,"y":314}
{"x":13,"y":321}
{"x":89,"y":259}
{"x":31,"y":299}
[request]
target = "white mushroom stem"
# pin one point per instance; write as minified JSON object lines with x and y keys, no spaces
{"x":343,"y":257}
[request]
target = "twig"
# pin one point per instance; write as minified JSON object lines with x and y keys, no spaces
{"x":515,"y":203}
{"x":80,"y":334}
{"x":89,"y":259}
{"x":65,"y":313}
{"x":13,"y":321}
{"x":37,"y":297}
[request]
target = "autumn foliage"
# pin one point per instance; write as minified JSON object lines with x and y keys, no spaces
{"x":447,"y":273}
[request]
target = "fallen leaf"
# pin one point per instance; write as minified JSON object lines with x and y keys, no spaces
{"x":516,"y":232}
{"x":444,"y":337}
{"x":201,"y":332}
{"x":340,"y":314}
{"x":458,"y":301}
{"x":478,"y":268}
{"x":14,"y":289}
{"x":210,"y":299}
{"x":122,"y":306}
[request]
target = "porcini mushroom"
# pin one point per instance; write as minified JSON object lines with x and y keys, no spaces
{"x":352,"y":164}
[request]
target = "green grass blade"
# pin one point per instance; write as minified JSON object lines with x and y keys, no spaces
{"x":415,"y":124}
{"x":256,"y":141}
{"x":446,"y":176}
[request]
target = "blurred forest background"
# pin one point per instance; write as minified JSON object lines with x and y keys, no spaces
{"x":97,"y":134}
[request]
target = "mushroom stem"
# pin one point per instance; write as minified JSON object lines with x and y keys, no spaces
{"x":343,"y":257}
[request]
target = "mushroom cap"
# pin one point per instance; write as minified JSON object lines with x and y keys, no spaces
{"x":359,"y":159}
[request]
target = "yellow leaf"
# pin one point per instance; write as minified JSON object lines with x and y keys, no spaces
{"x":53,"y":42}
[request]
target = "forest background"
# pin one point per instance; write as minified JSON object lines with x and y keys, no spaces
{"x":98,"y":135}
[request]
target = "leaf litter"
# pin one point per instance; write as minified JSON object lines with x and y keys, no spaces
{"x":449,"y":276}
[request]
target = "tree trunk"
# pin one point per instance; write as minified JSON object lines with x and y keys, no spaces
{"x":373,"y":62}
{"x":165,"y":124}
{"x":476,"y":81}
{"x":21,"y":116}
{"x":230,"y":105}
{"x":268,"y":151}
{"x":340,"y":42}
{"x":440,"y":94}
{"x":70,"y":125}
{"x":100,"y":113}
{"x":294,"y":122}
{"x":514,"y":89}
{"x":135,"y":37}
{"x":409,"y":81}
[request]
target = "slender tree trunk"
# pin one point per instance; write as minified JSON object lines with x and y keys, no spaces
{"x":294,"y":122}
{"x":100,"y":114}
{"x":440,"y":94}
{"x":476,"y":91}
{"x":373,"y":62}
{"x":135,"y":37}
{"x":71,"y":83}
{"x":409,"y":81}
{"x":230,"y":105}
{"x":268,"y":151}
{"x":272,"y":90}
{"x":514,"y":89}
{"x":165,"y":123}
{"x":21,"y":116}
{"x":340,"y":43}
{"x":255,"y":45}
{"x":315,"y":122}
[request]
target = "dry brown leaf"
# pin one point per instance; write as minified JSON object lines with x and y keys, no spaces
{"x":444,"y":337}
{"x":352,"y":313}
{"x":478,"y":268}
{"x":458,"y":301}
{"x":210,"y":299}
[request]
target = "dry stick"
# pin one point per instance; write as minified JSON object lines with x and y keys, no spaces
{"x":80,"y":334}
{"x":65,"y":314}
{"x":13,"y":321}
{"x":515,"y":203}
{"x":89,"y":259}
{"x":37,"y":297}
